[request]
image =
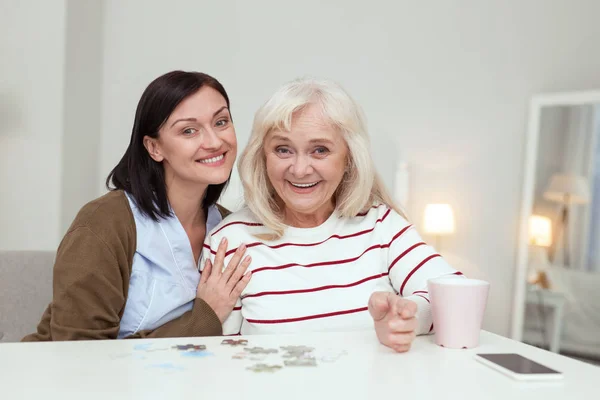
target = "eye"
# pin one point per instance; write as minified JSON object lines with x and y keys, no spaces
{"x":282,"y":150}
{"x":321,"y":150}
{"x":222,"y":122}
{"x":189,"y":131}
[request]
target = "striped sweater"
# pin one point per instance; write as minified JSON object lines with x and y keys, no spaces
{"x":320,"y":279}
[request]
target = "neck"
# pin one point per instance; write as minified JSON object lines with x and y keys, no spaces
{"x":186,"y":201}
{"x":308,"y":220}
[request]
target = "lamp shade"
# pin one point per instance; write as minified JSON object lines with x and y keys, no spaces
{"x":540,"y":231}
{"x":568,"y":188}
{"x":438,"y":219}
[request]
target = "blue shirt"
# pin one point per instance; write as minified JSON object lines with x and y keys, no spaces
{"x":164,"y":275}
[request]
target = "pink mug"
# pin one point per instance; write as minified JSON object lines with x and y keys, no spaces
{"x":458,"y":305}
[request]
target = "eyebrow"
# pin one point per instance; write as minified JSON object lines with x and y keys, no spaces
{"x":192,"y":119}
{"x":327,"y":141}
{"x":280,"y":137}
{"x":312,"y":141}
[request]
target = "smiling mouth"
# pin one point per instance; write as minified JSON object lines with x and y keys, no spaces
{"x":211,"y":160}
{"x":304,"y":185}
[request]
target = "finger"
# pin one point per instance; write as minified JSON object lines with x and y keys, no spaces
{"x":399,"y":325}
{"x":234,"y":262}
{"x":395,"y":305}
{"x":407,"y":309}
{"x":206,"y":271}
{"x":378,"y":305}
{"x":400,"y":339}
{"x":220,"y":257}
{"x":239,"y":272}
{"x":241,"y":285}
{"x":403,"y":348}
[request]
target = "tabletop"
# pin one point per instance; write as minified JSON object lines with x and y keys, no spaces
{"x":351,"y":365}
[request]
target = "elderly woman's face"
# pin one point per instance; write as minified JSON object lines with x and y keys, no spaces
{"x":306,"y":165}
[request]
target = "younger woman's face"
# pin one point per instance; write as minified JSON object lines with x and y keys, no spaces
{"x":197,"y":143}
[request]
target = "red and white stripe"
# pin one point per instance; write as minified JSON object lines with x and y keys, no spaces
{"x":320,"y":279}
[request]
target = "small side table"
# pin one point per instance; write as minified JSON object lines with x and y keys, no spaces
{"x":555,"y":301}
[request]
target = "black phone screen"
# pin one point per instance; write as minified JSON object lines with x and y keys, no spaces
{"x":518,"y":364}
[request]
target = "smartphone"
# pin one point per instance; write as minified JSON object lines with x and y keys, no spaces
{"x":518,"y":367}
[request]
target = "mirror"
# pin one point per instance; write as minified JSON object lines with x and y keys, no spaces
{"x":557,"y":287}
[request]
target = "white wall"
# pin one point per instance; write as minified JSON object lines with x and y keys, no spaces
{"x":445,"y":84}
{"x":82,"y":103}
{"x":32,"y":48}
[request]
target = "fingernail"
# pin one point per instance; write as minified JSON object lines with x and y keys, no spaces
{"x":223,"y":240}
{"x":242,"y":247}
{"x":248,"y":258}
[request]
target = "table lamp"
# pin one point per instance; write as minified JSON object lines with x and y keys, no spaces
{"x":540,"y":238}
{"x":438,"y":220}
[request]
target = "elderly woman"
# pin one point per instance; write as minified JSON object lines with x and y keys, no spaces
{"x":330,"y":250}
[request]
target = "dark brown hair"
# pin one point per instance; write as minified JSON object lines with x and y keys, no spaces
{"x":137,"y":173}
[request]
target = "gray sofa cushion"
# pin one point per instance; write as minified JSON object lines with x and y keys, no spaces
{"x":25,"y":291}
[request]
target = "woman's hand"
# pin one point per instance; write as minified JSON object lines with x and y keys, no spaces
{"x":220,"y":288}
{"x":395,"y":322}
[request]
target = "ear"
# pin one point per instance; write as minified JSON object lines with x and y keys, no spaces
{"x":153,"y":148}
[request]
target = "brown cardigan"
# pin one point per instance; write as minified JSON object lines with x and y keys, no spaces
{"x":91,"y":280}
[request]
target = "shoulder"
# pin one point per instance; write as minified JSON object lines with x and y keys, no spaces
{"x":381,"y":215}
{"x":236,"y":222}
{"x":108,"y":216}
{"x":106,"y":209}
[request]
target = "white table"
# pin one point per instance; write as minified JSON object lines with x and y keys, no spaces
{"x":124,"y":370}
{"x":556,"y":302}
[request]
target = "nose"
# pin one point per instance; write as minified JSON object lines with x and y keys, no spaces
{"x":210,"y":140}
{"x":301,"y":166}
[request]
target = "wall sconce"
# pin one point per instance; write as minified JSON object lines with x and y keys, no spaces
{"x":438,"y":220}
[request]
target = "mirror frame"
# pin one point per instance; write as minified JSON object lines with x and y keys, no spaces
{"x":536,"y":104}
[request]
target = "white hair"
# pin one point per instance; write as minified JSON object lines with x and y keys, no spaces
{"x":361,"y":186}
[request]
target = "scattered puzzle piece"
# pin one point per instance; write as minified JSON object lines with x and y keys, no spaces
{"x":260,"y":350}
{"x":297,"y":349}
{"x":264,"y":368}
{"x":301,"y":362}
{"x":292,"y":352}
{"x":292,"y":355}
{"x":298,"y":356}
{"x":192,"y":347}
{"x":233,"y":343}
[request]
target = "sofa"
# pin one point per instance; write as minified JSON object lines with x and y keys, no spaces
{"x":25,"y":291}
